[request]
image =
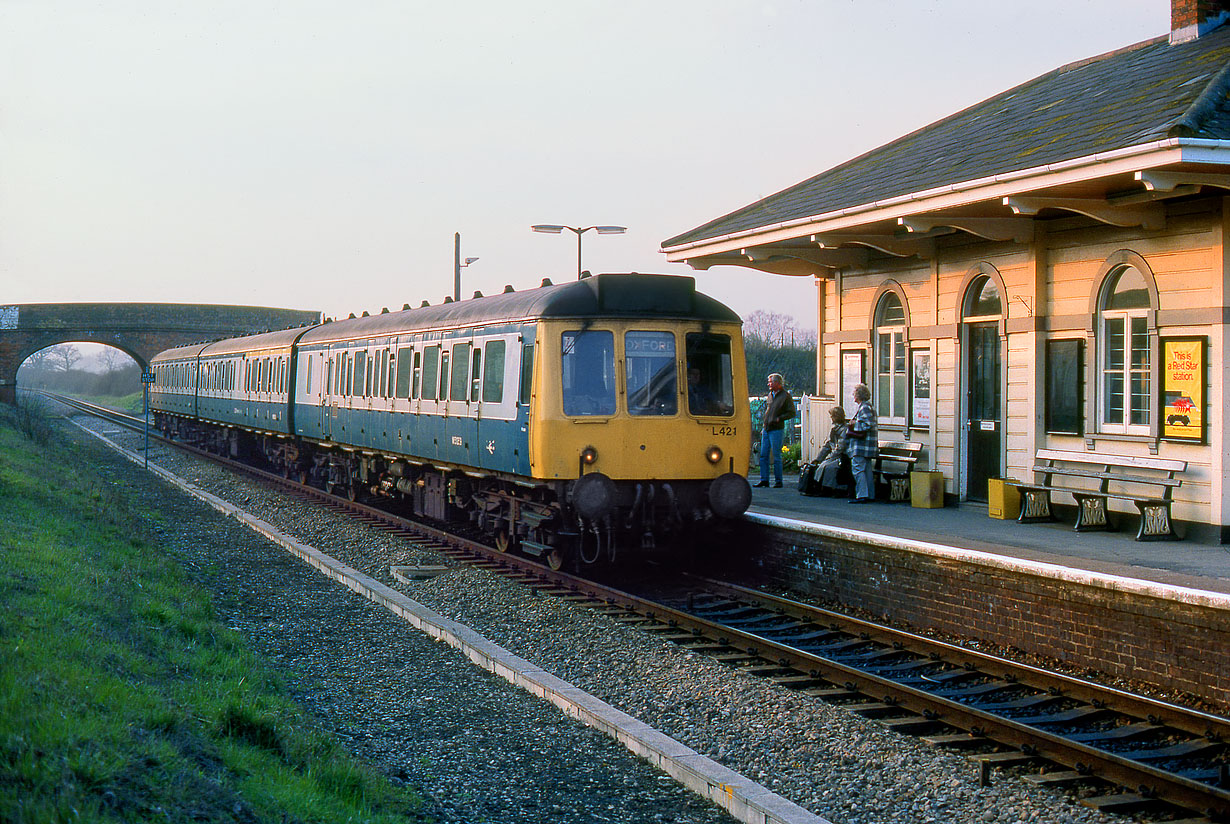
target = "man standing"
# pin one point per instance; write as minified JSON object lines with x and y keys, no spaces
{"x":863,"y":446}
{"x":778,"y":408}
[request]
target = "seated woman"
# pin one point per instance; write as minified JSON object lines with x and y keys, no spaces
{"x":833,"y":470}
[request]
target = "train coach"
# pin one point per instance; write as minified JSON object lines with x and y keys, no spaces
{"x":566,"y":420}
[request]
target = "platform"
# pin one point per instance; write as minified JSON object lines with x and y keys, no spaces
{"x":1185,"y":563}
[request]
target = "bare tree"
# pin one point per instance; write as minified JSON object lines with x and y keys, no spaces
{"x":64,"y":356}
{"x":40,"y":361}
{"x":112,"y":359}
{"x":776,"y":329}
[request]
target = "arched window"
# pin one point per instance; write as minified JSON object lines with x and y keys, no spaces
{"x":1124,"y":359}
{"x":982,"y":300}
{"x":891,"y":391}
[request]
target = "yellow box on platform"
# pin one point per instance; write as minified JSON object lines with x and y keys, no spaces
{"x":927,"y":489}
{"x":1003,"y":499}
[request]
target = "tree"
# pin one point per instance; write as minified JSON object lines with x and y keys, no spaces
{"x":113,"y":360}
{"x":64,"y":356}
{"x":773,"y":342}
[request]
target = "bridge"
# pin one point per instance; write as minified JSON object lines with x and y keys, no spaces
{"x":140,"y":330}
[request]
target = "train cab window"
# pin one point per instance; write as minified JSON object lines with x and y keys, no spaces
{"x":527,"y":373}
{"x":476,"y":374}
{"x":431,"y":371}
{"x":493,"y":373}
{"x":461,"y":367}
{"x":587,"y":361}
{"x":710,"y":386}
{"x":443,"y":375}
{"x":401,"y":386}
{"x":652,"y":375}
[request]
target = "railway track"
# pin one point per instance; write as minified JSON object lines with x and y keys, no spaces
{"x":1129,"y":753}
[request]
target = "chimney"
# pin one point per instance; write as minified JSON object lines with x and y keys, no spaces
{"x":1191,"y":18}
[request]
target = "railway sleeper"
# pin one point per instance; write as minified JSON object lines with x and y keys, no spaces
{"x":957,"y":741}
{"x":1118,"y":802}
{"x":1074,"y":715}
{"x":1126,"y":732}
{"x":914,"y":725}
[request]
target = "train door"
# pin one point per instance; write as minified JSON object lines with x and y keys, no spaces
{"x":328,"y":407}
{"x":460,"y":427}
{"x":494,"y":389}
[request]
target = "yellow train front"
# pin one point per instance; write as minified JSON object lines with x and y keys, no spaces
{"x":640,"y":416}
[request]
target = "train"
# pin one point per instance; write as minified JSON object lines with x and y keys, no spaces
{"x":566,"y":421}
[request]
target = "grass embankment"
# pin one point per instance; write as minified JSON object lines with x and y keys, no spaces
{"x":133,"y":403}
{"x":121,"y":697}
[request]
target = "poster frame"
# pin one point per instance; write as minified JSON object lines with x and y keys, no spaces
{"x":1071,"y":350}
{"x":1165,"y":385}
{"x":849,"y":357}
{"x":921,"y":355}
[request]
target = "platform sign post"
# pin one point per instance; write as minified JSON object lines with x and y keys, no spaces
{"x":146,"y":379}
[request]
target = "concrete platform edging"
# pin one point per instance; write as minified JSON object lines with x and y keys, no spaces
{"x":743,"y":798}
{"x":1135,"y":586}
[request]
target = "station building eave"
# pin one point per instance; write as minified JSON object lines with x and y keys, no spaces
{"x":1124,"y":187}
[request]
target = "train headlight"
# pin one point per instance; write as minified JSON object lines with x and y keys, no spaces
{"x":713,"y":454}
{"x":589,"y":455}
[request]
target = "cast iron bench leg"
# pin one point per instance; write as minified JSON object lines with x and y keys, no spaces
{"x":1155,"y":523}
{"x":898,"y":487}
{"x":1091,"y":513}
{"x":1035,"y":506}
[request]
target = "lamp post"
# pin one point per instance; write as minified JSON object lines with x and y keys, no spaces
{"x":553,"y":229}
{"x":458,"y":265}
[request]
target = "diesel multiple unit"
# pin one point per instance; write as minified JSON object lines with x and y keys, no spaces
{"x":566,"y":420}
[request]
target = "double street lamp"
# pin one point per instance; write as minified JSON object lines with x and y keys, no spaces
{"x":551,"y":228}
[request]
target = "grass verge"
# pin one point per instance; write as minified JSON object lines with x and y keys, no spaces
{"x":121,"y":697}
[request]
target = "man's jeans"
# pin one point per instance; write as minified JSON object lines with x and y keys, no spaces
{"x":771,"y":447}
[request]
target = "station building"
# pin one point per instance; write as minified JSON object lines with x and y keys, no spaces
{"x":1049,"y":268}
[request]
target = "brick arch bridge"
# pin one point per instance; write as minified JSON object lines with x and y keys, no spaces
{"x":141,"y":330}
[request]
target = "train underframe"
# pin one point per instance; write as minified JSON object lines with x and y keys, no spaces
{"x":583,"y":521}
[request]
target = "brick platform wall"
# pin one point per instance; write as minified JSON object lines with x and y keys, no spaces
{"x":1167,"y":643}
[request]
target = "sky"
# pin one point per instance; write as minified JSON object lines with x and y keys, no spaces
{"x":321,"y":154}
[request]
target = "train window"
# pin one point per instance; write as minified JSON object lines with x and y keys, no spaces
{"x":476,"y":374}
{"x":444,"y":356}
{"x":417,"y":372}
{"x":371,"y":378}
{"x":360,"y":370}
{"x":710,"y":375}
{"x":461,"y":365}
{"x":493,"y":373}
{"x":527,"y":373}
{"x":587,"y":361}
{"x":652,"y":374}
{"x":431,"y":371}
{"x":307,"y":376}
{"x":387,"y":385}
{"x":402,"y":386}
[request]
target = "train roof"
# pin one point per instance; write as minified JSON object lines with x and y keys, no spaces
{"x":282,"y":339}
{"x":179,"y":353}
{"x":631,"y":295}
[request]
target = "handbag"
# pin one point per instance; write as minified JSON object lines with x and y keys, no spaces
{"x":854,"y":434}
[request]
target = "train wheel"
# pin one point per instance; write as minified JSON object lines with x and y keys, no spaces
{"x":352,"y":492}
{"x":503,"y":541}
{"x":555,"y":559}
{"x":304,"y":476}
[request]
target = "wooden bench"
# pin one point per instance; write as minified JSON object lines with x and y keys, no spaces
{"x":900,"y":457}
{"x":1054,"y":469}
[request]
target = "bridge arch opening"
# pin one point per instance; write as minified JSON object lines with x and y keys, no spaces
{"x":86,"y":369}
